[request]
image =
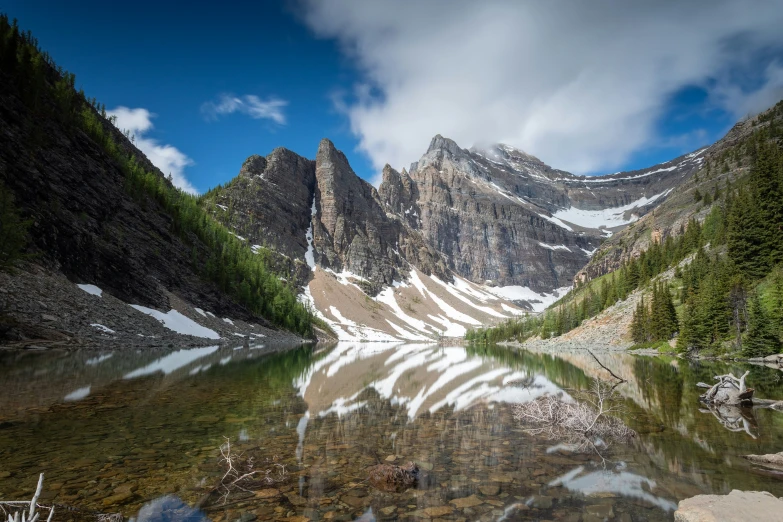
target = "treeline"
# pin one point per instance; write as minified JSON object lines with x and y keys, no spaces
{"x":733,"y":295}
{"x":229,"y":263}
{"x":588,"y":300}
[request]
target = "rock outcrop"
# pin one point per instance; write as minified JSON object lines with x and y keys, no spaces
{"x":291,"y":204}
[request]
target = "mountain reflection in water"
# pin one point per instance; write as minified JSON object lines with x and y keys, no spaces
{"x":142,"y":430}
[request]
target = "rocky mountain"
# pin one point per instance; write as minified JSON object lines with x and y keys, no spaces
{"x":488,"y":231}
{"x":502,"y":217}
{"x":320,"y":212}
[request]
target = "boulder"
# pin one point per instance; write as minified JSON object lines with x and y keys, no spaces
{"x":737,"y":506}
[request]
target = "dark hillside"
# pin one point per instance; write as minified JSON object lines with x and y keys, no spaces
{"x":101,"y":213}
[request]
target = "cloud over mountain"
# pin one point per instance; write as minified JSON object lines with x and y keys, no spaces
{"x":581,"y":85}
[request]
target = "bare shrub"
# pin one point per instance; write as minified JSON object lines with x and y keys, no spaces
{"x":586,"y":423}
{"x":243,"y":473}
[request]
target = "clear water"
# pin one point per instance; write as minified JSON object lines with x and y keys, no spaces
{"x":138,"y":433}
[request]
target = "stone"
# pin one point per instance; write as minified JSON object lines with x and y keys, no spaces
{"x":295,"y":499}
{"x":737,"y":506}
{"x":466,"y":502}
{"x":117,"y":499}
{"x":771,"y":460}
{"x":490,"y":489}
{"x":439,"y":511}
{"x":391,"y":458}
{"x":353,"y":501}
{"x":600,"y":510}
{"x":541,"y":502}
{"x":501,"y":477}
{"x":125,"y":488}
{"x":267,"y":493}
{"x":388,"y":510}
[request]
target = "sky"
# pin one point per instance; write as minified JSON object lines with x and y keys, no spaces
{"x":588,"y":87}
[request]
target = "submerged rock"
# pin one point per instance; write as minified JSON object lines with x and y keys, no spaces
{"x":388,"y":477}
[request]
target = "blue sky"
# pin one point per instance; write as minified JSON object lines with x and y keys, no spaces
{"x":380,"y":78}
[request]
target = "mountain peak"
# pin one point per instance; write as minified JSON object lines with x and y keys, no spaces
{"x":253,"y":166}
{"x":501,"y":152}
{"x":326,"y":146}
{"x":441,"y":143}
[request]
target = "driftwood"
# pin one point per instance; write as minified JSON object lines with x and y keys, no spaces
{"x":732,"y":403}
{"x":731,"y":391}
{"x":27,"y":511}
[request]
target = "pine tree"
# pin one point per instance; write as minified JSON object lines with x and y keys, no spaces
{"x":747,"y":239}
{"x":760,"y":339}
{"x":639,"y":322}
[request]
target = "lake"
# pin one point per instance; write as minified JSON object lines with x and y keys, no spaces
{"x":139,"y":433}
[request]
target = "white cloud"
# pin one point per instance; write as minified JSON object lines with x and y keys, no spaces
{"x":579,"y":84}
{"x":167,"y":158}
{"x":251,"y":105}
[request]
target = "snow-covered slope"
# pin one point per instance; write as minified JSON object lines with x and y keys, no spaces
{"x":422,"y":308}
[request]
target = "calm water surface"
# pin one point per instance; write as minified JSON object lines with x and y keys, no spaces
{"x":138,"y":433}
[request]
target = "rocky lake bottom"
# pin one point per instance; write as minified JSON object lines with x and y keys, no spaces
{"x":139,"y":433}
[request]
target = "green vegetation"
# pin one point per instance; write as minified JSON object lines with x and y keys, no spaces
{"x":512,"y":330}
{"x":661,"y":346}
{"x":218,"y":256}
{"x":658,"y":321}
{"x":731,"y":295}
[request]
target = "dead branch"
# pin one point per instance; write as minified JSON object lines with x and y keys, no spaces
{"x":620,"y":379}
{"x":587,"y":424}
{"x":243,"y":474}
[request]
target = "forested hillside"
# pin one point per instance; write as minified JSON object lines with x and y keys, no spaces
{"x":99,"y":211}
{"x":724,"y":287}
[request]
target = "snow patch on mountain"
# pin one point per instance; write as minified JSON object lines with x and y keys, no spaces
{"x":609,"y":217}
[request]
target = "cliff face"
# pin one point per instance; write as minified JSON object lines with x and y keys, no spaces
{"x":503,"y":217}
{"x":302,"y":208}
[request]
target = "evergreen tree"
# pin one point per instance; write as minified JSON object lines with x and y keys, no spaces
{"x":760,"y":339}
{"x":747,"y":238}
{"x":639,"y":323}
